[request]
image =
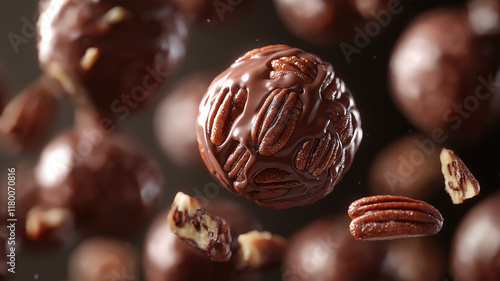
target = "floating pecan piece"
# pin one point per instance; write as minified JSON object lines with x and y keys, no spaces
{"x":301,"y":67}
{"x":385,"y":217}
{"x":226,"y":107}
{"x":460,"y":184}
{"x":276,"y":121}
{"x":200,"y":228}
{"x":259,"y":250}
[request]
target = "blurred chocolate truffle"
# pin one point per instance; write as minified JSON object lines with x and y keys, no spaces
{"x":115,"y":54}
{"x":103,"y":259}
{"x":326,"y":22}
{"x":475,"y":251}
{"x":28,"y":117}
{"x":175,"y":120}
{"x":409,"y":166}
{"x":105,"y":178}
{"x":442,"y":76}
{"x":414,"y":259}
{"x":325,"y":250}
{"x":212,"y":12}
{"x":167,"y":257}
{"x":279,"y":127}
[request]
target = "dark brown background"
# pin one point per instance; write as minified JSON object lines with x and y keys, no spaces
{"x":214,"y":48}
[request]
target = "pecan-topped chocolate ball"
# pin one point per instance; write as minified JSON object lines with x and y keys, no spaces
{"x":112,"y":54}
{"x":279,"y":127}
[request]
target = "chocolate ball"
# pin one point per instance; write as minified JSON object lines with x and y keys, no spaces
{"x":442,"y":76}
{"x":175,"y":120}
{"x":114,"y":54}
{"x":212,"y":12}
{"x":475,"y":251}
{"x":167,"y":257}
{"x":27,"y":118}
{"x":104,"y":177}
{"x":325,"y":250}
{"x":413,"y":259}
{"x":103,"y":259}
{"x":409,"y":166}
{"x":279,"y":127}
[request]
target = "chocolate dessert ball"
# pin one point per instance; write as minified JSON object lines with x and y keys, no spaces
{"x":279,"y":127}
{"x":103,"y":259}
{"x":442,"y":77}
{"x":105,"y":178}
{"x":212,"y":12}
{"x":475,"y":252}
{"x":167,"y":257}
{"x":28,"y":117}
{"x":409,"y":166}
{"x":114,"y":54}
{"x":175,"y":120}
{"x":325,"y":250}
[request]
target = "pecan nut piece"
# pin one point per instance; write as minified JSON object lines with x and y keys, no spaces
{"x":460,"y":184}
{"x":317,"y":156}
{"x":225,"y":108}
{"x":259,"y":250}
{"x":276,"y":121}
{"x":385,"y":217}
{"x":200,"y":228}
{"x":301,"y":67}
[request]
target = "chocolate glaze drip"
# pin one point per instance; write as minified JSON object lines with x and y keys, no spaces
{"x":325,"y":104}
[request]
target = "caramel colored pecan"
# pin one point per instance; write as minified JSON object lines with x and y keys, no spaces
{"x":301,"y":67}
{"x":260,"y":250}
{"x":343,"y":126}
{"x":386,"y":217}
{"x":225,"y":108}
{"x":276,"y":121}
{"x":318,"y":155}
{"x":236,"y":162}
{"x":460,"y":184}
{"x":200,"y":228}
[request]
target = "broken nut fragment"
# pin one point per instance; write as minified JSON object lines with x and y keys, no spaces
{"x":259,"y":250}
{"x":200,"y":228}
{"x":385,"y":217}
{"x":460,"y":184}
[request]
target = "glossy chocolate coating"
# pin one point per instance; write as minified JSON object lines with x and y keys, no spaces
{"x":167,"y":257}
{"x":175,"y":120}
{"x":409,"y":166}
{"x":475,"y":251}
{"x":325,"y":250}
{"x":282,"y":173}
{"x":103,"y":259}
{"x":440,"y":76}
{"x":106,"y":179}
{"x":114,"y":54}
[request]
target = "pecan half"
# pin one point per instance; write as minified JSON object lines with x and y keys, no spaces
{"x":200,"y":228}
{"x":460,"y":184}
{"x":225,"y":108}
{"x":384,"y":217}
{"x":236,"y":162}
{"x":301,"y":67}
{"x":318,"y":155}
{"x":276,"y":121}
{"x":260,"y":250}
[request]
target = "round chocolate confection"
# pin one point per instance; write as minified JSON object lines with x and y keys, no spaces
{"x":103,"y":259}
{"x":279,"y":127}
{"x":325,"y":250}
{"x":409,"y":166}
{"x":327,"y":22}
{"x":104,"y":178}
{"x":115,"y":54}
{"x":174,"y":115}
{"x":475,"y":251}
{"x":441,"y":76}
{"x":167,"y":257}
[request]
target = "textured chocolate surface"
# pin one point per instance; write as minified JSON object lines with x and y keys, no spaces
{"x":167,"y":257}
{"x":441,"y":74}
{"x":107,"y":180}
{"x":279,"y":127}
{"x":114,"y":54}
{"x":475,"y":252}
